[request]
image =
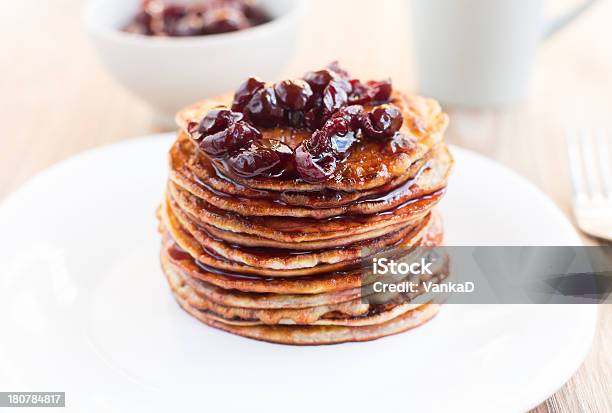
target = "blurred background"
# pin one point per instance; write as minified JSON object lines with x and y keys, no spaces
{"x":58,"y":98}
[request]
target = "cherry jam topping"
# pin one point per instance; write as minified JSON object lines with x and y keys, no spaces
{"x":161,"y":18}
{"x":323,"y":102}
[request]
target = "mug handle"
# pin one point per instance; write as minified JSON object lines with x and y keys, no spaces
{"x":556,"y":24}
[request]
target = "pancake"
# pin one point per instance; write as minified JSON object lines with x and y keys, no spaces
{"x":173,"y":255}
{"x":318,"y":335}
{"x":349,"y":313}
{"x":188,"y":242}
{"x":367,"y":167}
{"x":355,"y":312}
{"x":235,"y":298}
{"x":286,"y":315}
{"x":312,"y":317}
{"x":289,"y":230}
{"x":288,"y":259}
{"x":432,"y":178}
{"x":340,"y":282}
{"x":254,"y":241}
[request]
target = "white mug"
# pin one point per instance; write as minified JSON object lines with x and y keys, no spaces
{"x":480,"y":52}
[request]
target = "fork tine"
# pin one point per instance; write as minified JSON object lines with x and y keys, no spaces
{"x":590,"y":164}
{"x":603,"y":150}
{"x":575,"y":163}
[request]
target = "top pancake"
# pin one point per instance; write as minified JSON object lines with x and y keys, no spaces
{"x":370,"y":163}
{"x":431,"y":177}
{"x":187,"y":161}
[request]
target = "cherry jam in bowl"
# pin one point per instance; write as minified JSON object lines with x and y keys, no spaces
{"x":169,"y":72}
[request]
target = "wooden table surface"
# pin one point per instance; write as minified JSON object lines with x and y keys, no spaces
{"x":57,"y":100}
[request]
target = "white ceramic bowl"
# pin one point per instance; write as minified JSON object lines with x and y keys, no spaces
{"x":170,"y":73}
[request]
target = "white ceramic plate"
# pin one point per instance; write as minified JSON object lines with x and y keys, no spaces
{"x":84,"y":308}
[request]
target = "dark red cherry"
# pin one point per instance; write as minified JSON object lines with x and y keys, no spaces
{"x":295,"y":118}
{"x":141,"y":24}
{"x":337,"y":125}
{"x":340,"y":134}
{"x":320,"y":79}
{"x":318,"y":143}
{"x":183,"y":29}
{"x":382,"y":122}
{"x":311,"y":168}
{"x":172,"y":12}
{"x":156,"y":18}
{"x":313,"y":118}
{"x":236,"y":135}
{"x":254,"y":160}
{"x":335,"y":96}
{"x":380,"y":91}
{"x":245,"y":92}
{"x":340,"y":128}
{"x":342,"y":123}
{"x":263,"y":108}
{"x":255,"y":14}
{"x":370,"y":92}
{"x":218,"y":119}
{"x":190,"y":25}
{"x":335,"y":67}
{"x":293,"y":94}
{"x":387,"y":117}
{"x":286,"y":165}
{"x":351,"y":114}
{"x":223,"y":20}
{"x":143,"y":17}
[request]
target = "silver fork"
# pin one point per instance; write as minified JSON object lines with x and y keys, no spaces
{"x":591,"y":171}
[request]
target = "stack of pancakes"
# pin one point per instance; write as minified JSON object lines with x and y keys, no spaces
{"x":282,"y":260}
